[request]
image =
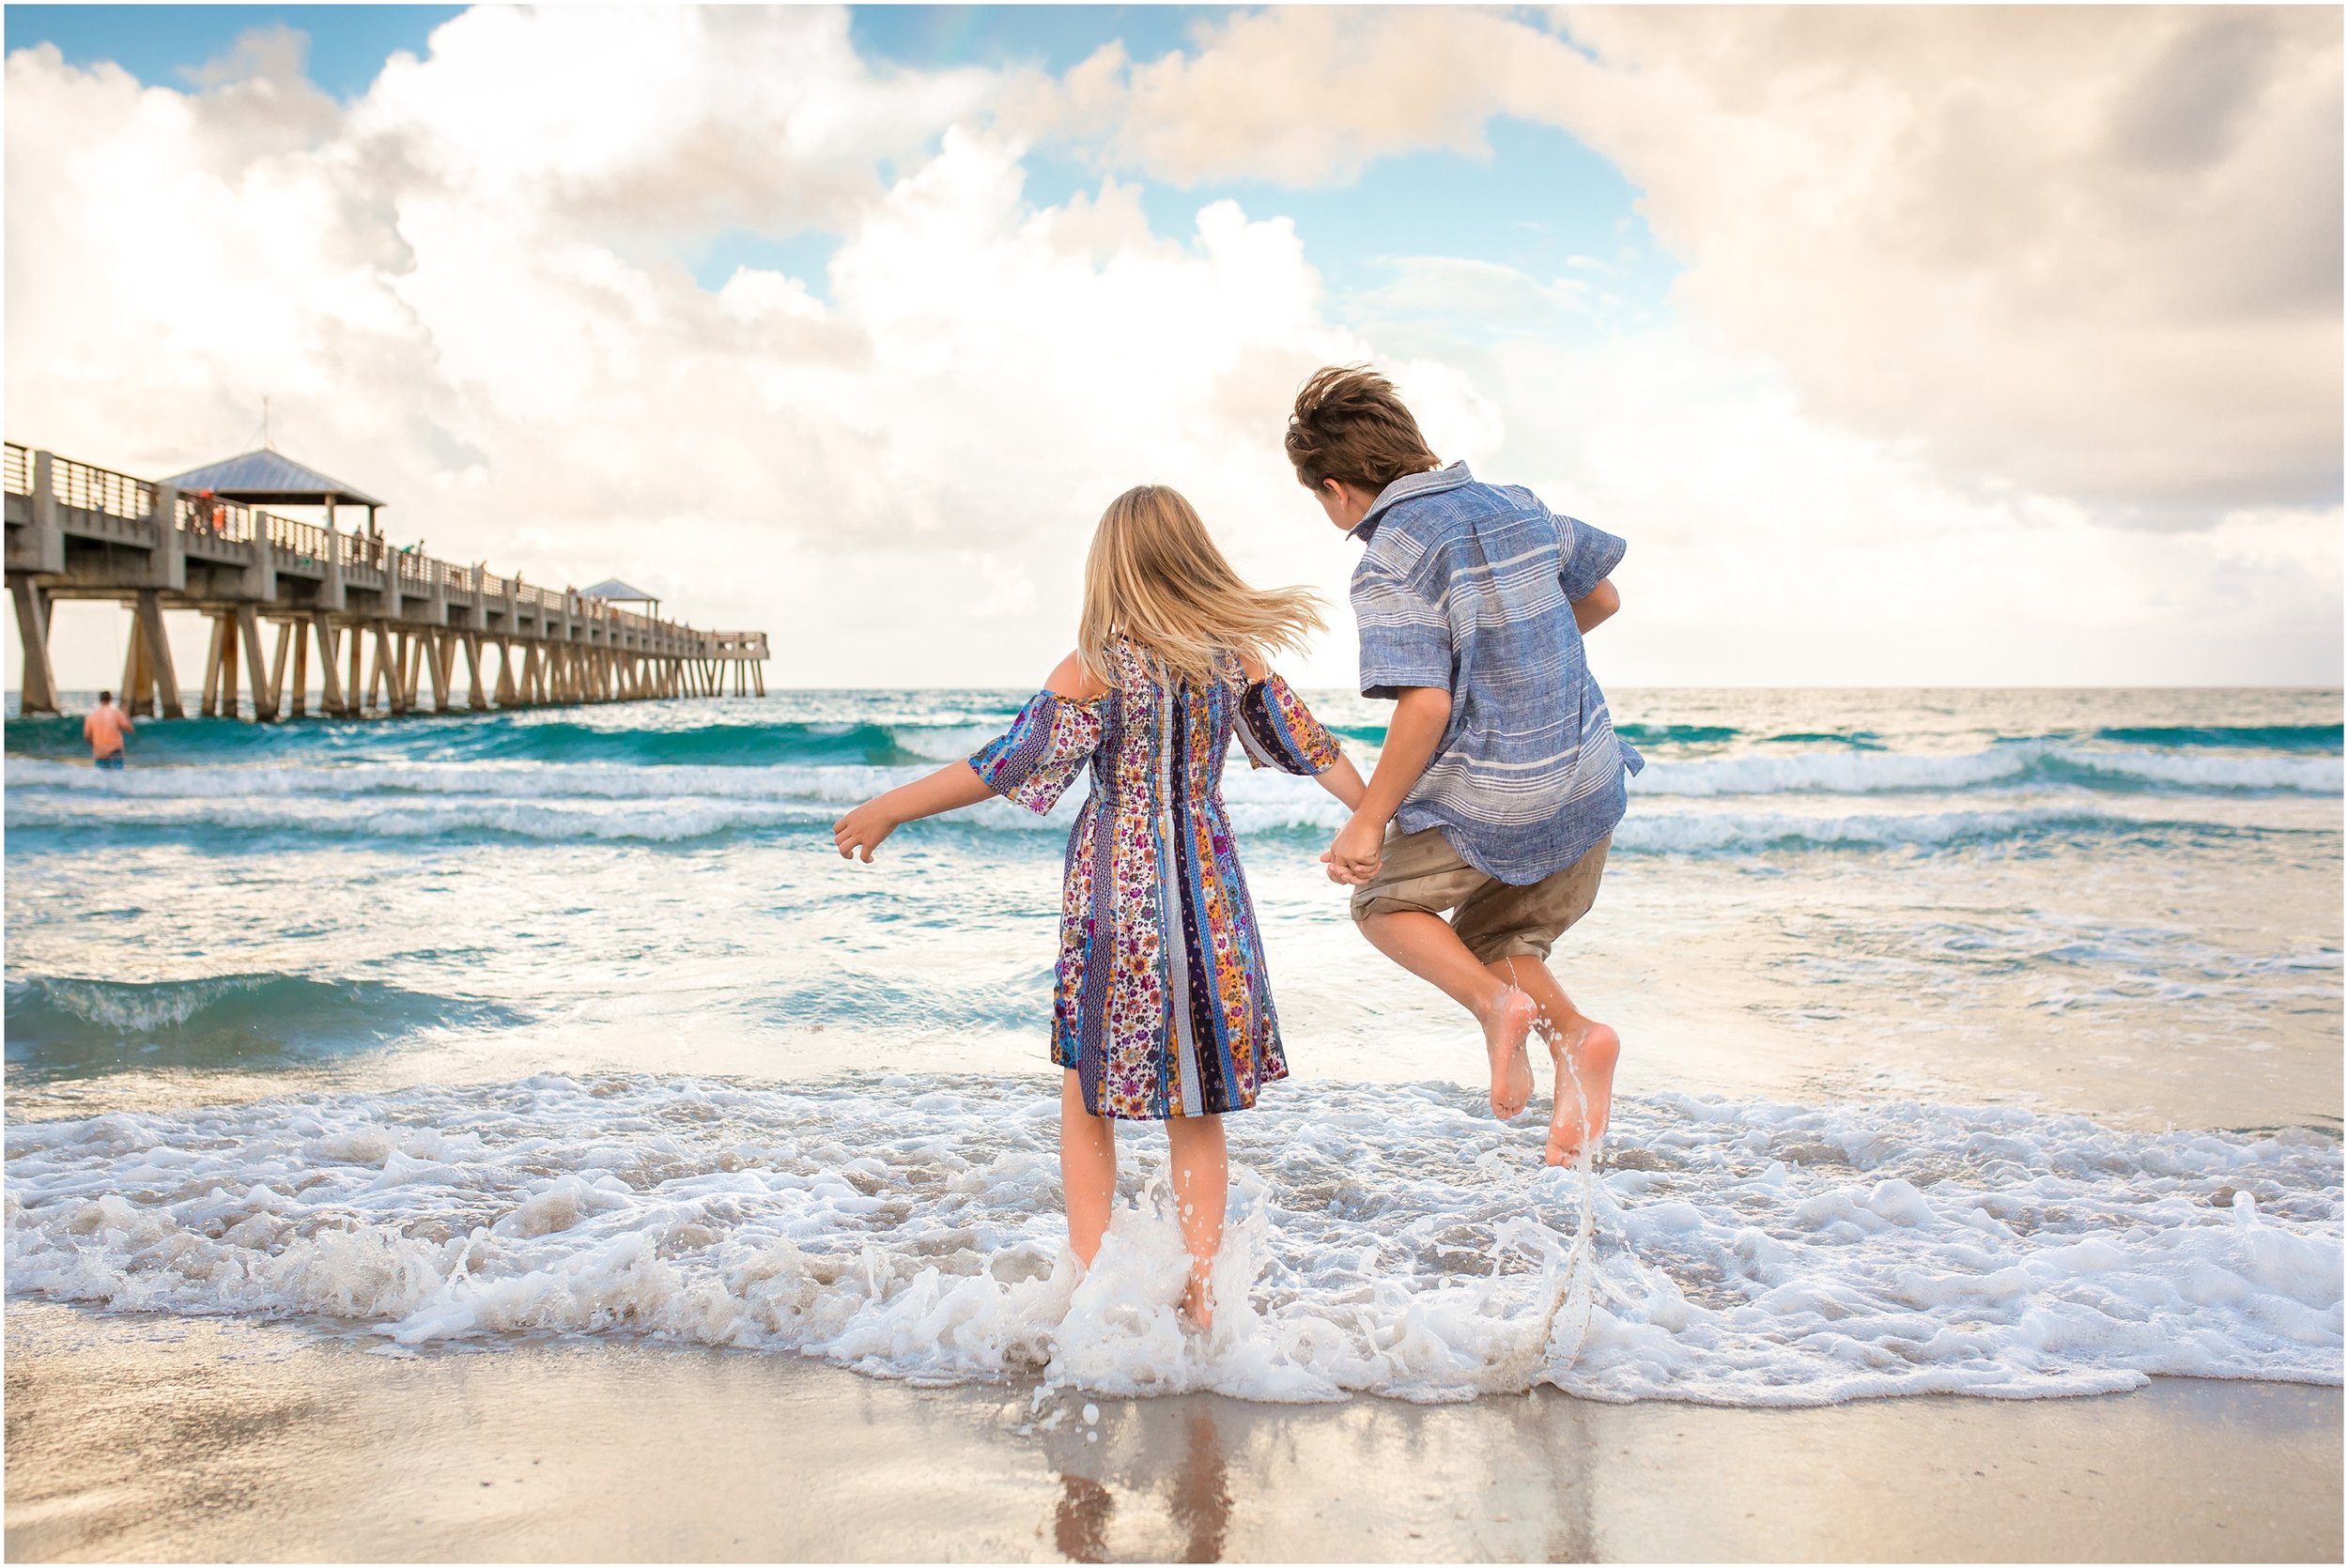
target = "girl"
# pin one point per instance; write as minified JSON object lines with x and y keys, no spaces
{"x":1161,"y":1008}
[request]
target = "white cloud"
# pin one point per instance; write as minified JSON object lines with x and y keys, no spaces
{"x":2092,"y":251}
{"x":464,"y":292}
{"x":430,"y":291}
{"x":1772,"y":549}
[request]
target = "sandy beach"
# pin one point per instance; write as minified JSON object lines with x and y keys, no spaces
{"x":175,"y":1439}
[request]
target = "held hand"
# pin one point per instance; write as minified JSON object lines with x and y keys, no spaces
{"x":862,"y":830}
{"x":1357,"y":852}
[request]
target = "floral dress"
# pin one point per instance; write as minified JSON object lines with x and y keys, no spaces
{"x":1162,"y":1003}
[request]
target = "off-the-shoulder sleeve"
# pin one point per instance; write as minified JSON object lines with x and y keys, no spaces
{"x":1034,"y":762}
{"x":1277,"y":731}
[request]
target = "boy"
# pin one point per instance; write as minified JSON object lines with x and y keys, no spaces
{"x":1502,"y":778}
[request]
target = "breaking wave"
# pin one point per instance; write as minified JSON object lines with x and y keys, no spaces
{"x":1385,"y":1239}
{"x":59,"y":1026}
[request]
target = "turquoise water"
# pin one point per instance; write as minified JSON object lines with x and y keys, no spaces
{"x":372,"y":980}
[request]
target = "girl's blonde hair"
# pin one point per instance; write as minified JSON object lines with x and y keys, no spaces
{"x":1154,"y":577}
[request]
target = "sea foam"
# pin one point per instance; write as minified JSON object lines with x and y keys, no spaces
{"x":1387,"y":1239}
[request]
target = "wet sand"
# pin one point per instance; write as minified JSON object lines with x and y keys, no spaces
{"x":175,"y":1440}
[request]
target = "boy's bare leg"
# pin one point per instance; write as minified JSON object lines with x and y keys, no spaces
{"x":1584,"y":1052}
{"x":1088,"y":1168}
{"x":1203,"y":1184}
{"x":1427,"y":947}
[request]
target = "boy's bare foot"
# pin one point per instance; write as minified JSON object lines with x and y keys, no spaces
{"x":1585,"y":1090}
{"x":1506,"y":1027}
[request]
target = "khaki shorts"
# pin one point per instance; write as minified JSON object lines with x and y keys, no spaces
{"x":1422,"y":871}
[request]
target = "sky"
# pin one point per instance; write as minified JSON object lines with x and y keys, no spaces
{"x":1953,"y":346}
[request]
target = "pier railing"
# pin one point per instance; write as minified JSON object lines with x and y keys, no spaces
{"x":93,"y":489}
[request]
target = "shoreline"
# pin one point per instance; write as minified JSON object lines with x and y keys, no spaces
{"x":158,"y":1438}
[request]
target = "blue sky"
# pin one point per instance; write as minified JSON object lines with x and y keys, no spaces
{"x":1052,"y":36}
{"x":163,"y":45}
{"x":1537,"y":202}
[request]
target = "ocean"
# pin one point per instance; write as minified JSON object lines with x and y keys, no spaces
{"x":1974,"y":1041}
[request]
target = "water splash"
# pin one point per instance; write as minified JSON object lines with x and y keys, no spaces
{"x":1387,"y":1239}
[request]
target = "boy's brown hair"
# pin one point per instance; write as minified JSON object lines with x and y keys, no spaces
{"x":1350,"y":425}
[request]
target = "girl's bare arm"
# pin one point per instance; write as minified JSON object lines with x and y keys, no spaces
{"x":1343,"y":781}
{"x":860,"y":832}
{"x":952,"y":787}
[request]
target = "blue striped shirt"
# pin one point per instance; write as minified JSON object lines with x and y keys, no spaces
{"x":1471,"y":587}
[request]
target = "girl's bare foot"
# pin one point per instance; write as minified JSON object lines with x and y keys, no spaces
{"x":1197,"y":1304}
{"x":1585,"y":1090}
{"x":1506,"y":1029}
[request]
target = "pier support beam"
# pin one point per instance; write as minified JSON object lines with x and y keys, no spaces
{"x":32,"y":630}
{"x":475,"y":699}
{"x":220,"y":682}
{"x":209,"y":704}
{"x":277,"y":669}
{"x":248,"y":634}
{"x":147,"y":686}
{"x":330,"y":693}
{"x":385,"y":674}
{"x":412,"y":646}
{"x":131,"y":688}
{"x":441,"y":651}
{"x":299,"y":630}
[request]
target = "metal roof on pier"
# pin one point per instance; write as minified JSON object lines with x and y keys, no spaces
{"x":613,"y":589}
{"x":268,"y":475}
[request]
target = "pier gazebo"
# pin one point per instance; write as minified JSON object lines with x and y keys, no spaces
{"x":612,"y":591}
{"x":270,"y":478}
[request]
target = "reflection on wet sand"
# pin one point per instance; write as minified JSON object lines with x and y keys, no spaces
{"x":1188,"y":1479}
{"x":1200,"y":1496}
{"x":1196,"y":1495}
{"x":1181,"y":1513}
{"x":154,"y":1439}
{"x":1080,"y":1525}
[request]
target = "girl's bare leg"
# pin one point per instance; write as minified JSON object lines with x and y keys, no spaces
{"x":1202,"y":1180}
{"x":1427,"y":947}
{"x":1582,"y":1048}
{"x":1088,"y":1168}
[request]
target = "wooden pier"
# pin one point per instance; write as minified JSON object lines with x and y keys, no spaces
{"x":75,"y":531}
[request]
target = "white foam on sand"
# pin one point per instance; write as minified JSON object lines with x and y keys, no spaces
{"x":1385,"y":1239}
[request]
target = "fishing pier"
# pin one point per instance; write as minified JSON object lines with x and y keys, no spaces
{"x":385,"y":621}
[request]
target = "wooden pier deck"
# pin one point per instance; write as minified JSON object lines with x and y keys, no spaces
{"x":77,"y":532}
